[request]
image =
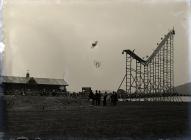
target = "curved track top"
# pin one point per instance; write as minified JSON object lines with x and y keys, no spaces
{"x":146,"y":62}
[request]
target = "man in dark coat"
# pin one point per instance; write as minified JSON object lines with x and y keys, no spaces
{"x":92,"y":97}
{"x":96,"y":97}
{"x":115,"y":98}
{"x":105,"y":99}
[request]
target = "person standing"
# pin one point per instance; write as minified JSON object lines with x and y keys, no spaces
{"x":92,"y":97}
{"x":105,"y":99}
{"x":99,"y":97}
{"x":112,"y":98}
{"x":96,"y":97}
{"x":115,"y":98}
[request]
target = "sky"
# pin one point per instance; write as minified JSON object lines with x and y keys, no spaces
{"x":52,"y":38}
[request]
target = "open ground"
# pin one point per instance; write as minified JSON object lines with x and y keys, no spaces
{"x":76,"y":117}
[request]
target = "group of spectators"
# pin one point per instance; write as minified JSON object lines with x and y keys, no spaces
{"x":99,"y":97}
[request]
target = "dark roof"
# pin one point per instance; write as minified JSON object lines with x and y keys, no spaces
{"x":24,"y":80}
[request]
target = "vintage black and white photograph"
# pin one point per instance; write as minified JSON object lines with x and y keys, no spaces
{"x":95,"y":69}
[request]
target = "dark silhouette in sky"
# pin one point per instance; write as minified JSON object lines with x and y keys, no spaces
{"x":97,"y":64}
{"x":94,"y":44}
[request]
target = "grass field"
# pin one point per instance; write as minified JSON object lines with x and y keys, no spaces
{"x":77,"y":118}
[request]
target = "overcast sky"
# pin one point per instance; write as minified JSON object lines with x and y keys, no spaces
{"x":52,"y":38}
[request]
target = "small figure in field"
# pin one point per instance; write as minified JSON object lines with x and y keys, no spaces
{"x":112,"y":98}
{"x":105,"y":99}
{"x":115,"y":98}
{"x":99,"y":97}
{"x":43,"y":107}
{"x":92,"y":97}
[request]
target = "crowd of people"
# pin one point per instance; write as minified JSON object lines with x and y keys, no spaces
{"x":98,"y":97}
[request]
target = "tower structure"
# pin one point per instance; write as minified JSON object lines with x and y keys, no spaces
{"x":152,"y":78}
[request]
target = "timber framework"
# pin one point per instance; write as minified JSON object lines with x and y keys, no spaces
{"x":154,"y":77}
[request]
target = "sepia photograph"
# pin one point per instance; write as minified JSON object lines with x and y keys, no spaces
{"x":95,"y":70}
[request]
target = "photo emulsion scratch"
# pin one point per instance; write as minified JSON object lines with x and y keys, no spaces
{"x":104,"y":69}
